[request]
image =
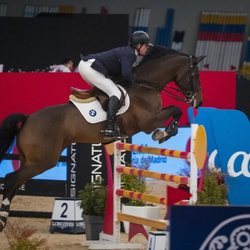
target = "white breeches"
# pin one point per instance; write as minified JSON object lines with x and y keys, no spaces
{"x":97,"y":79}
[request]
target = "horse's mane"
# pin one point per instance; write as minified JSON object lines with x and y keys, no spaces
{"x":156,"y":51}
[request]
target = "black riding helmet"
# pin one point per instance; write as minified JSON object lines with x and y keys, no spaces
{"x":138,"y":37}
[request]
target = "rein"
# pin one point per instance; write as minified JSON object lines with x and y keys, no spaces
{"x":189,"y":96}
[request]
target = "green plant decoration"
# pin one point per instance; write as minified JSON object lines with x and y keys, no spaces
{"x":214,"y":190}
{"x":133,"y":183}
{"x":93,"y":198}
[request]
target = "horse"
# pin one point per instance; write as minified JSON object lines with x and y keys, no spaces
{"x":41,"y":136}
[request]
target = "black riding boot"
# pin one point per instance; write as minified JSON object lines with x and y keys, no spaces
{"x":112,"y":130}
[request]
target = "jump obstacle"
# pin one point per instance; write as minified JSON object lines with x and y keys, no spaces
{"x":196,"y":157}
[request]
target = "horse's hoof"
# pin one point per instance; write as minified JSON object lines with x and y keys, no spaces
{"x":157,"y":135}
{"x":1,"y":226}
{"x":164,"y":139}
{"x":2,"y":223}
{"x":169,"y":135}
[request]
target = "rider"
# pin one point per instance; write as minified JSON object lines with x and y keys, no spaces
{"x":98,"y":69}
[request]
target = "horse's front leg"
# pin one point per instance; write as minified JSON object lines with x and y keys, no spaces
{"x":173,"y":112}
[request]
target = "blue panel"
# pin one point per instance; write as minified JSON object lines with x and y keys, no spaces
{"x":229,"y":132}
{"x":194,"y":227}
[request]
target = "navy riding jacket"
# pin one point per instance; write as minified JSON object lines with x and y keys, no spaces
{"x":116,"y":62}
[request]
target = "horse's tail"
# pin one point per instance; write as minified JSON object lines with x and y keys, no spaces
{"x":8,"y":130}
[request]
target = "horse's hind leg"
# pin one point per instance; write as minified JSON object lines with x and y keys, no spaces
{"x":12,"y":182}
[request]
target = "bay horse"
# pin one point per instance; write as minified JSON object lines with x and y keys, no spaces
{"x":41,"y":136}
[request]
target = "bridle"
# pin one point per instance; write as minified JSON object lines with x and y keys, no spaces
{"x":189,"y":95}
{"x":192,"y":69}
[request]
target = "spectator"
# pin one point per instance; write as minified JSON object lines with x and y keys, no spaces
{"x":67,"y":66}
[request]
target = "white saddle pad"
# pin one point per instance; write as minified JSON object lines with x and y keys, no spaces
{"x":93,"y":111}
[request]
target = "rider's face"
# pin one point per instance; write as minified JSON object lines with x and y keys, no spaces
{"x":142,"y":49}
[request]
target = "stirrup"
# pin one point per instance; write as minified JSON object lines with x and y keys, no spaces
{"x":113,"y":134}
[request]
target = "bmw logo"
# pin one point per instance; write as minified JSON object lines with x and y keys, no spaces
{"x":92,"y":112}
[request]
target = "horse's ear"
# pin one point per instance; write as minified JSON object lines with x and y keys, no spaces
{"x":200,"y":58}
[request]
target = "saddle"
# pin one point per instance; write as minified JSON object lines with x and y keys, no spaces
{"x":85,"y":96}
{"x":81,"y":96}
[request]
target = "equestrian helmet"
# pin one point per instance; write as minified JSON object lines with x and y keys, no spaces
{"x":139,"y":37}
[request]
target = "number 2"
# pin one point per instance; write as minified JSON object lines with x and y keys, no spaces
{"x":65,"y":205}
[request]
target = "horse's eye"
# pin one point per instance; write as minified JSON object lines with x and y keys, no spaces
{"x":188,"y":94}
